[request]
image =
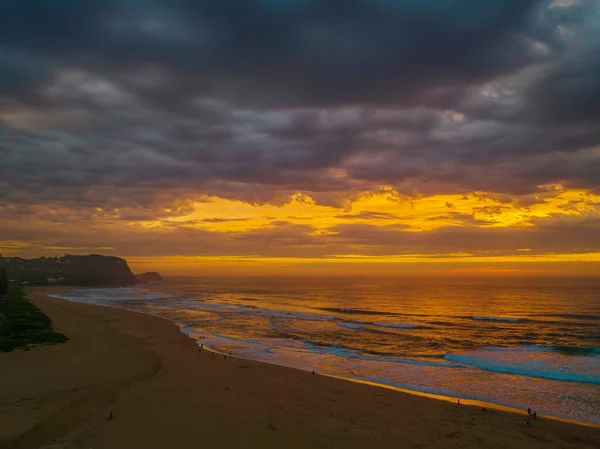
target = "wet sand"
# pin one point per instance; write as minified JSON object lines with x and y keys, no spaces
{"x":165,"y":393}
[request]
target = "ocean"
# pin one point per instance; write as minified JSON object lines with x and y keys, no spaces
{"x":516,"y":342}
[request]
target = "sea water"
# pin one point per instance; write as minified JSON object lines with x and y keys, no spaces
{"x":523,"y":343}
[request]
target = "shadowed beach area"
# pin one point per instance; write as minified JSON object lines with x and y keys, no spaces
{"x":164,"y":392}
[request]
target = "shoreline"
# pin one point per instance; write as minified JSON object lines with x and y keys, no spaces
{"x":441,"y":397}
{"x":466,"y":401}
{"x":166,"y":392}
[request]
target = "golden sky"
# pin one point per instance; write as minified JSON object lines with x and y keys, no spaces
{"x":550,"y":232}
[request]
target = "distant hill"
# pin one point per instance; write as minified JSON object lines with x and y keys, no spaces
{"x":92,"y":270}
{"x":150,"y":276}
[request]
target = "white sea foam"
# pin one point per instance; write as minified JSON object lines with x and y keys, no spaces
{"x":533,"y":361}
{"x":107,"y":295}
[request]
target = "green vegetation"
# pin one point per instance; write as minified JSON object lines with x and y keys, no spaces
{"x":94,"y":270}
{"x":22,"y":323}
{"x":3,"y":282}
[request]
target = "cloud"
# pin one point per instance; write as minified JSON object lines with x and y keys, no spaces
{"x":381,"y":51}
{"x":369,"y":215}
{"x":130,"y":112}
{"x":381,"y":223}
{"x":564,"y":236}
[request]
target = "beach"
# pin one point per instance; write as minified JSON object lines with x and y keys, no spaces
{"x":460,"y":340}
{"x":164,"y":392}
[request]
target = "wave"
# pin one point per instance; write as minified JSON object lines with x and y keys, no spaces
{"x":534,"y":361}
{"x":305,"y":315}
{"x":443,"y":323}
{"x":360,"y":325}
{"x":247,"y":306}
{"x":206,"y":338}
{"x":354,"y":326}
{"x":496,"y":318}
{"x":106,"y":295}
{"x":356,"y":311}
{"x":535,"y":321}
{"x":407,"y":361}
{"x":278,"y":313}
{"x":373,"y":356}
{"x":572,"y":316}
{"x":252,"y":309}
{"x":396,"y":326}
{"x":575,"y":351}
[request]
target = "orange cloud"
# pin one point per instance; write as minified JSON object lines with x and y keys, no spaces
{"x":376,"y":230}
{"x":383,"y":208}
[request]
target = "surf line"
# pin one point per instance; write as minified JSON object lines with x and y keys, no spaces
{"x":463,"y":401}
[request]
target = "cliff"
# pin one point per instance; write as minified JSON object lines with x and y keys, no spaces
{"x":151,"y":276}
{"x":92,"y":270}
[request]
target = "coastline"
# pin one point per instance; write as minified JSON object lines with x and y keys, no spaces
{"x":439,"y":397}
{"x":166,"y":393}
{"x":466,"y":401}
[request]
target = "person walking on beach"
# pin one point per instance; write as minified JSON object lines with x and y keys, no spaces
{"x":110,"y":415}
{"x":529,"y":411}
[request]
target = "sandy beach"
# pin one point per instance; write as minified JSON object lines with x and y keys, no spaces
{"x":165,"y":393}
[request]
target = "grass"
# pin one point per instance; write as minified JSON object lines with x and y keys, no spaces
{"x":22,"y":324}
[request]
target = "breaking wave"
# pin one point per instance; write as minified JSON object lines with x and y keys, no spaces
{"x":534,"y":361}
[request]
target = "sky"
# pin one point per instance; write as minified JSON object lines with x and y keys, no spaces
{"x":397,"y":137}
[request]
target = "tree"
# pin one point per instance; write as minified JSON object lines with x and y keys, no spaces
{"x":3,"y":282}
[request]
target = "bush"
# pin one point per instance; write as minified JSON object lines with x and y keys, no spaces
{"x":23,"y":324}
{"x":3,"y":282}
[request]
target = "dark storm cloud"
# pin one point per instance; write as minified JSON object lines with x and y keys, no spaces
{"x":288,"y":52}
{"x":259,"y":99}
